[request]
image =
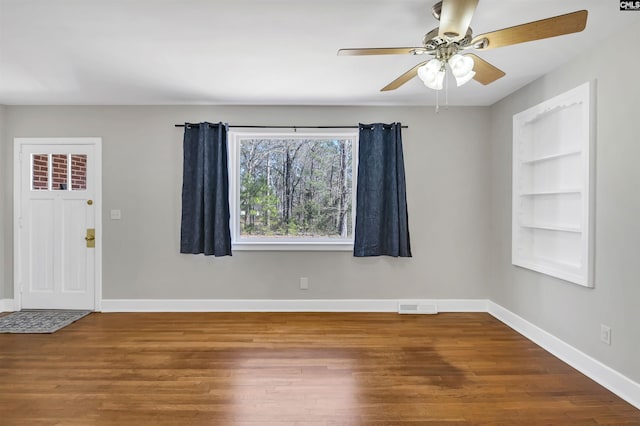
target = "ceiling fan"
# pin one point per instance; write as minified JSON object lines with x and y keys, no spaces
{"x":451,"y":41}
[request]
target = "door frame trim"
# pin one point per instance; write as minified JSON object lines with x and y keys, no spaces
{"x":18,"y":143}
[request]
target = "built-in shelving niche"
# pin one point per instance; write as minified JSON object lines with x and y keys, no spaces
{"x":552,"y":166}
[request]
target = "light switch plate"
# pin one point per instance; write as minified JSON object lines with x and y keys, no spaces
{"x":116,"y":214}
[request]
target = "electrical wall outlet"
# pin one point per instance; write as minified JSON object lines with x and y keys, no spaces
{"x":304,"y":283}
{"x":605,"y":334}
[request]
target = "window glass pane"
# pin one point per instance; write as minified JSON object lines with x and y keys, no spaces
{"x":59,"y":172}
{"x":296,"y":188}
{"x":40,"y":172}
{"x":78,"y":172}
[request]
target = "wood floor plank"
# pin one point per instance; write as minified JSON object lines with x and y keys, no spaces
{"x":293,"y":369}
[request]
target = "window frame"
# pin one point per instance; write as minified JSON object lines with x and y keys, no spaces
{"x":240,"y":243}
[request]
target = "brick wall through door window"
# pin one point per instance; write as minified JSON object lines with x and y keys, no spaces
{"x":53,"y":172}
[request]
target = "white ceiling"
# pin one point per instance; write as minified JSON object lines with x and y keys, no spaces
{"x":258,"y":52}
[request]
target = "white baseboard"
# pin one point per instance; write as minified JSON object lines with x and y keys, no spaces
{"x":621,"y":385}
{"x":6,"y":305}
{"x":286,"y":305}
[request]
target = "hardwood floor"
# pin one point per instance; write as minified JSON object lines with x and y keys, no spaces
{"x":293,"y":369}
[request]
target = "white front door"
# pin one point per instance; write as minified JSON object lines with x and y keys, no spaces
{"x":57,"y":226}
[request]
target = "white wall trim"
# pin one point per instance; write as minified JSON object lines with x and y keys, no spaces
{"x":287,"y":305}
{"x":621,"y":385}
{"x":6,"y":305}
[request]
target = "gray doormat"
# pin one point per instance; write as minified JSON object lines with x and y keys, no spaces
{"x":39,"y":321}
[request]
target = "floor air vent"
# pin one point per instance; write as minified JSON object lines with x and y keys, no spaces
{"x":417,"y":308}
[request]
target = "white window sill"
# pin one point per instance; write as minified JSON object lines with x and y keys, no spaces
{"x":293,"y":246}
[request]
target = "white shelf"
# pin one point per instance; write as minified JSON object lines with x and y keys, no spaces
{"x":552,"y":187}
{"x":576,"y":229}
{"x":551,"y":157}
{"x":559,"y":192}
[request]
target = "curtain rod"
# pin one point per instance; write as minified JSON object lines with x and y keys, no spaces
{"x":286,"y":127}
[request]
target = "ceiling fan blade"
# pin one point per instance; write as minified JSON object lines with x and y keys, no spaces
{"x":403,"y":78}
{"x":383,"y":51}
{"x":551,"y":27}
{"x":455,"y":17}
{"x":485,"y":72}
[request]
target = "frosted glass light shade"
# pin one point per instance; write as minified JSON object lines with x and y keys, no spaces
{"x":432,"y":74}
{"x":461,"y":65}
{"x":462,"y":68}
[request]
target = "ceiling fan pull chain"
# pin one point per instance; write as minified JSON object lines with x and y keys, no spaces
{"x":437,"y":103}
{"x":446,"y":93}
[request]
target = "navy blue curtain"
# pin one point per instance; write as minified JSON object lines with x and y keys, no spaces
{"x":382,"y":223}
{"x":205,"y":191}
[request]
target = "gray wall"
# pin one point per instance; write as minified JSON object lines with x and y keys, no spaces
{"x":568,"y":311}
{"x":4,"y":184}
{"x":447,"y":176}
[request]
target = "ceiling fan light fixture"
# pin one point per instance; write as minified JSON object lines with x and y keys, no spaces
{"x":432,"y":74}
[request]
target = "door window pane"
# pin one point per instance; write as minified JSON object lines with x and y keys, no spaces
{"x":60,"y":171}
{"x":39,"y":172}
{"x":78,"y":172}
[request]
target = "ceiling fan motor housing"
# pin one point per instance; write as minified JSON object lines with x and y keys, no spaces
{"x":433,"y":42}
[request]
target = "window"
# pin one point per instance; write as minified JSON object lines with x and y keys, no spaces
{"x":292,"y":191}
{"x":54,"y":169}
